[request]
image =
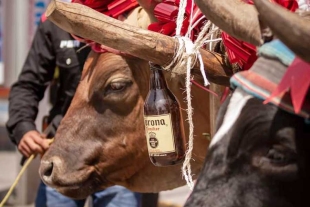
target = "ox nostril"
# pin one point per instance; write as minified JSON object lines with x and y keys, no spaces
{"x":51,"y":168}
{"x":47,"y":168}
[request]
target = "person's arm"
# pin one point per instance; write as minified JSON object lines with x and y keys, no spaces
{"x":28,"y":91}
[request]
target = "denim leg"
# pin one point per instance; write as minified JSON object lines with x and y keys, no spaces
{"x":49,"y":197}
{"x":116,"y":196}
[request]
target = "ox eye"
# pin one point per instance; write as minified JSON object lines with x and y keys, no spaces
{"x":279,"y":157}
{"x":116,"y":87}
{"x":275,"y":156}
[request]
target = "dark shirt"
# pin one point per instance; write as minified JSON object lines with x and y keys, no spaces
{"x":51,"y":47}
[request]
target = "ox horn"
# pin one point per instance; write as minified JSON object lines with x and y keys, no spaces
{"x":151,"y":46}
{"x":235,"y":17}
{"x":290,"y":28}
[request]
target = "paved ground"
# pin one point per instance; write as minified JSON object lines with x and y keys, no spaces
{"x":9,"y":170}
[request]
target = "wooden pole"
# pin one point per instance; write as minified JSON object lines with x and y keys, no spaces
{"x":215,"y":105}
{"x":90,"y":24}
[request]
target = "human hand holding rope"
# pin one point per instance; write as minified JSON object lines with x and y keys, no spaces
{"x":33,"y":143}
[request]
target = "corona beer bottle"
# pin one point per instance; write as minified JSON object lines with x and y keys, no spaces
{"x":163,"y":122}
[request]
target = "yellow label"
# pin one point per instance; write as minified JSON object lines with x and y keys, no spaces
{"x":159,"y":134}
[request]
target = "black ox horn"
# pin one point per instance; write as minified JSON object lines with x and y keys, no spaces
{"x":290,"y":28}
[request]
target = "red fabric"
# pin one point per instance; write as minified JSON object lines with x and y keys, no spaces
{"x":297,"y":80}
{"x":43,"y":17}
{"x":242,"y":53}
{"x":97,"y":5}
{"x":239,"y":52}
{"x":166,"y":13}
{"x":112,"y":8}
{"x":262,"y":86}
{"x":291,"y":5}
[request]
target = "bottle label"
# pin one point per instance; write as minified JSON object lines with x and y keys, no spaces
{"x":159,"y":134}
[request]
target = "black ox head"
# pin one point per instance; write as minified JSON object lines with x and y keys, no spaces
{"x":259,"y":157}
{"x":260,"y":154}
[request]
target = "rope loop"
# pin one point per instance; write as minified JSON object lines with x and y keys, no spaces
{"x":186,"y":55}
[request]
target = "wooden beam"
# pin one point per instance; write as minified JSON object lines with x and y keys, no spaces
{"x":90,"y":24}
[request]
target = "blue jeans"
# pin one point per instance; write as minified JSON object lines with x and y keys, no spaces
{"x":115,"y":196}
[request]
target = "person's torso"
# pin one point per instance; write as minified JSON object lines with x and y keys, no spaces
{"x":70,"y":57}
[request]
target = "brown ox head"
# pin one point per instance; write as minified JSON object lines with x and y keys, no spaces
{"x":101,"y":140}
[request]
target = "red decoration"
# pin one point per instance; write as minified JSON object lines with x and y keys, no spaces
{"x":242,"y":53}
{"x":297,"y":79}
{"x":112,"y":8}
{"x":43,"y":17}
{"x":118,"y":7}
{"x":291,"y":5}
{"x":97,"y":5}
{"x":166,"y":13}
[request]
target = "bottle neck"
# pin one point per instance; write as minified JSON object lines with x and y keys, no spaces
{"x":157,"y":80}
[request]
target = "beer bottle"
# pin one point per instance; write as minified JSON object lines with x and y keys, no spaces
{"x":163,"y":122}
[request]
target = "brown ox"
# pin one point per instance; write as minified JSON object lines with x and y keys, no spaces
{"x":101,"y":140}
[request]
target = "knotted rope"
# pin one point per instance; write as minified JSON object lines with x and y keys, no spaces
{"x":183,"y":61}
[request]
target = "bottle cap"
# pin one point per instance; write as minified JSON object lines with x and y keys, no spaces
{"x":154,"y":66}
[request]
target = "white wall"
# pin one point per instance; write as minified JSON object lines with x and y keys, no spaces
{"x":15,"y":38}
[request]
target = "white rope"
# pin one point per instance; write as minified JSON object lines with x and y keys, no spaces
{"x":186,"y":168}
{"x":213,"y":40}
{"x":210,"y":45}
{"x":180,"y":17}
{"x":185,"y":57}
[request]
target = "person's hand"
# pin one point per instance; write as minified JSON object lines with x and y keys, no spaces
{"x":33,"y":143}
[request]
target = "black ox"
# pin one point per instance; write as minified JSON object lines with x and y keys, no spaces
{"x":260,"y":160}
{"x":260,"y":155}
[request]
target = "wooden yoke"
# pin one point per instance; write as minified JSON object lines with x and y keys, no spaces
{"x":151,"y":46}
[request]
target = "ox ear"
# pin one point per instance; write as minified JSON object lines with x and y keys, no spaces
{"x":138,"y":17}
{"x":292,"y":29}
{"x":148,"y":6}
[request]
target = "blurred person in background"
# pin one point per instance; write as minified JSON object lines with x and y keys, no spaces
{"x":53,"y":48}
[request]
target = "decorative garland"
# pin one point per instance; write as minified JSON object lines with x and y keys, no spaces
{"x":166,"y":13}
{"x":242,"y":53}
{"x":112,"y":8}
